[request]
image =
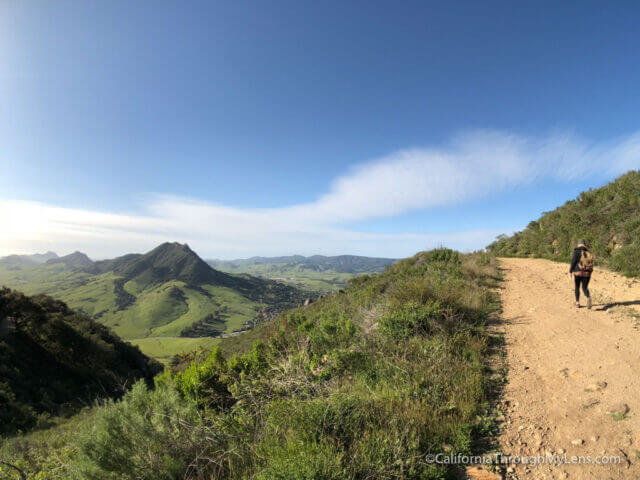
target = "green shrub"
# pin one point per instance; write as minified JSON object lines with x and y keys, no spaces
{"x":483,"y":259}
{"x":444,"y":255}
{"x":252,"y":363}
{"x":325,"y":330}
{"x":303,"y":461}
{"x":626,"y":260}
{"x":364,"y":434}
{"x":412,"y":319}
{"x":149,"y":434}
{"x":206,"y":383}
{"x":14,"y":415}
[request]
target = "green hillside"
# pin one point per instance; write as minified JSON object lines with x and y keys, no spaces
{"x":54,"y":360}
{"x":362,"y":384}
{"x":168,"y":292}
{"x":317,"y":273}
{"x":608,"y":218}
{"x":73,"y":260}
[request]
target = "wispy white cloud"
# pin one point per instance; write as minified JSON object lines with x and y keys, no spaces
{"x":470,"y":166}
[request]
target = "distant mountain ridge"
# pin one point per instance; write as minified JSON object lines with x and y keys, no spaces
{"x":34,"y":259}
{"x":111,"y":265}
{"x":73,"y":260}
{"x":339,"y":263}
{"x":317,"y":272}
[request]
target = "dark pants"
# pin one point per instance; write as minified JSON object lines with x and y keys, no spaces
{"x":584,"y":281}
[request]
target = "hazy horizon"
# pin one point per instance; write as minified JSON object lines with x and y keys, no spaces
{"x":206,"y":258}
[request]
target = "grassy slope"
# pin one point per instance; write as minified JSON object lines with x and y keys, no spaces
{"x":608,"y":218}
{"x":40,"y":278}
{"x":43,"y":452}
{"x":55,"y":360}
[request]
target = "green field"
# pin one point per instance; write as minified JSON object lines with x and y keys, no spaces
{"x":163,"y":349}
{"x":327,"y":281}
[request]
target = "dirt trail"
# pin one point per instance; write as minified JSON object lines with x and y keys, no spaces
{"x":568,"y":368}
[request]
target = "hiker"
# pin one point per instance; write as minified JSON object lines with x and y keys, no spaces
{"x":581,"y":269}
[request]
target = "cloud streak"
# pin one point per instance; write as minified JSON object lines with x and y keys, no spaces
{"x":470,"y":166}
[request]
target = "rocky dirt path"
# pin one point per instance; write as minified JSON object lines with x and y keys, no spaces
{"x":574,"y":374}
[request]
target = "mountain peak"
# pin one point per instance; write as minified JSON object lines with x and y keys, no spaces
{"x":173,"y":249}
{"x":171,"y":261}
{"x":173,"y":246}
{"x":76,"y":259}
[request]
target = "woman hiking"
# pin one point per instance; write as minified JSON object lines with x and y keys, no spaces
{"x":581,"y":269}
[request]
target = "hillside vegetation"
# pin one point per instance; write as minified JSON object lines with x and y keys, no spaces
{"x":318,"y":272}
{"x":168,"y":292}
{"x":362,"y":384}
{"x":608,"y":218}
{"x":54,"y":360}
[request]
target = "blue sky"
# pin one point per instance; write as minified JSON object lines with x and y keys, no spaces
{"x":265,"y":128}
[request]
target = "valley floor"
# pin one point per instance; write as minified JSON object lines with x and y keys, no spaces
{"x":573,"y":376}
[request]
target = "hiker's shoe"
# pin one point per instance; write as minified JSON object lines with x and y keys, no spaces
{"x":577,"y":304}
{"x":589,"y":302}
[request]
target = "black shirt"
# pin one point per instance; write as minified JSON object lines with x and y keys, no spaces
{"x":577,"y":254}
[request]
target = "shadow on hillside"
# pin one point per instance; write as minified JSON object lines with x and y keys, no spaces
{"x":607,"y":306}
{"x":6,"y":327}
{"x":488,"y":427}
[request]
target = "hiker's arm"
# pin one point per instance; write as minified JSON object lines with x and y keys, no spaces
{"x":574,"y":261}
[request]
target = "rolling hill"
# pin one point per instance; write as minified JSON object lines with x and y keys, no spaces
{"x":54,"y":360}
{"x":73,"y":260}
{"x":608,"y":218}
{"x":24,"y":260}
{"x":168,"y":292}
{"x":317,"y":272}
